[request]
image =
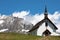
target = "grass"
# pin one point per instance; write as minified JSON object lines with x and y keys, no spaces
{"x":17,"y":36}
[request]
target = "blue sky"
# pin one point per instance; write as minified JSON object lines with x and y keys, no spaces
{"x":7,"y":7}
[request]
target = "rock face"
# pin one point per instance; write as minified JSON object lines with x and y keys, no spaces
{"x":14,"y":24}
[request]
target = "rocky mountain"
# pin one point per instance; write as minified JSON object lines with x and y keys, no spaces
{"x":14,"y":24}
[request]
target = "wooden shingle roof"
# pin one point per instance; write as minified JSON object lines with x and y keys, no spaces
{"x":40,"y":23}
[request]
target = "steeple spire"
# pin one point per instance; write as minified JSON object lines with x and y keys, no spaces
{"x":45,"y":9}
{"x":46,"y":12}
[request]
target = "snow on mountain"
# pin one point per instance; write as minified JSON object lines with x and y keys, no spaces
{"x":14,"y":24}
{"x":3,"y":30}
{"x":1,"y":21}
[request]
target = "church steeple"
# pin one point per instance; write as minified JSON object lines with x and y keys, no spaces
{"x":46,"y":16}
{"x":46,"y":12}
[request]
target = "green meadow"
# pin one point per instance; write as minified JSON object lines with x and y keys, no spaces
{"x":17,"y":36}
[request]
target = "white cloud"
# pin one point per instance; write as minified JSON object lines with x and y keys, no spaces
{"x":20,"y":14}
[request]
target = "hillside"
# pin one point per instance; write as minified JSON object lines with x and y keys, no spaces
{"x":17,"y":36}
